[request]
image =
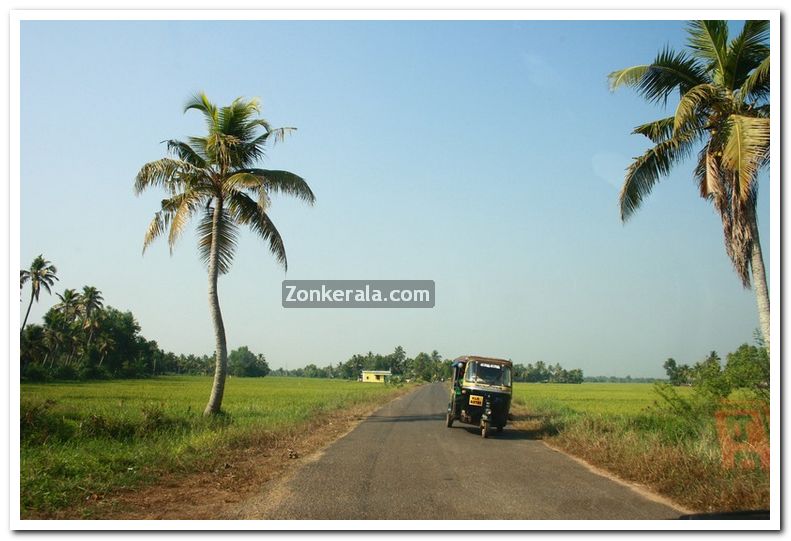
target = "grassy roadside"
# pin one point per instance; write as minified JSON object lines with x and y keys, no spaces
{"x":621,"y":428}
{"x":84,"y":441}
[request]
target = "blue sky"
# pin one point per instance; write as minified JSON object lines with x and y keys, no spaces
{"x":485,"y":156}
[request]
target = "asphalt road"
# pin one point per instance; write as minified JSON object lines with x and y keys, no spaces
{"x":403,"y":463}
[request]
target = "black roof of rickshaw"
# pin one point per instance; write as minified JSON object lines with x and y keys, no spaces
{"x":468,"y":358}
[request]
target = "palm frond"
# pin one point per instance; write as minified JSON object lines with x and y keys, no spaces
{"x":156,"y":228}
{"x":712,"y":185}
{"x":186,"y":153}
{"x":162,"y":173}
{"x":746,"y":52}
{"x":694,"y":105}
{"x":669,"y":72}
{"x":284,"y":182}
{"x":180,"y":209}
{"x":200,"y":145}
{"x":179,"y":219}
{"x":756,"y":84}
{"x":709,"y":40}
{"x":746,"y":147}
{"x":630,"y":76}
{"x":646,"y":170}
{"x":248,"y":212}
{"x":201,"y":103}
{"x":278,"y":135}
{"x":227,"y":237}
{"x":657,"y":131}
{"x":242,"y":180}
{"x":253,"y":149}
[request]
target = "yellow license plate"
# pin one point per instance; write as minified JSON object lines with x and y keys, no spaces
{"x":476,"y":400}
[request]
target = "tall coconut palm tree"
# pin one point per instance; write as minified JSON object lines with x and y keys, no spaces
{"x":214,"y":176}
{"x":723,"y":112}
{"x":42,"y":273}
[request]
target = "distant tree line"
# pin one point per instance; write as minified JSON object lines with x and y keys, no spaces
{"x":543,"y":373}
{"x":747,"y":367}
{"x":80,"y":338}
{"x":424,"y":367}
{"x":620,"y":379}
{"x":421,"y":367}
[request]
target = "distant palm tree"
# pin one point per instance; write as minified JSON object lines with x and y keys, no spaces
{"x":70,"y":304}
{"x":91,"y":302}
{"x":64,"y":320}
{"x":104,"y":344}
{"x":724,"y":111}
{"x":215,"y":176}
{"x":42,"y":273}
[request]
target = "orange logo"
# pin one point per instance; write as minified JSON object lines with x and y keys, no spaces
{"x":743,"y":438}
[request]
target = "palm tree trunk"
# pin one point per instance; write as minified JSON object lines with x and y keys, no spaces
{"x":28,"y":311}
{"x":220,"y":351}
{"x":88,"y":344}
{"x":759,"y":283}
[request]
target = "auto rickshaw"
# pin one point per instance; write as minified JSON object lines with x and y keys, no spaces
{"x":480,"y":393}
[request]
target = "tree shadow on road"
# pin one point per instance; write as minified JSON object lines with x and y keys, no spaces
{"x":509,"y":433}
{"x":520,"y":427}
{"x":406,"y":418}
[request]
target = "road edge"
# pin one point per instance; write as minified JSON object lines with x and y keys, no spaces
{"x":643,"y":490}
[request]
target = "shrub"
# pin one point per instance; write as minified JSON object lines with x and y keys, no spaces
{"x":35,"y":373}
{"x":38,"y":424}
{"x":66,"y":372}
{"x":93,"y":372}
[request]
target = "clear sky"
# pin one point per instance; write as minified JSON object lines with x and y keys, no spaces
{"x":485,"y":156}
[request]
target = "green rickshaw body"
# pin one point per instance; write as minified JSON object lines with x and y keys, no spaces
{"x":480,"y":392}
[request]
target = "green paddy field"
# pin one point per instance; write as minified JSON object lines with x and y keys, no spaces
{"x":83,"y":439}
{"x":595,"y":398}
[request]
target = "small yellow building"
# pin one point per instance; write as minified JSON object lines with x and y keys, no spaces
{"x":375,"y":376}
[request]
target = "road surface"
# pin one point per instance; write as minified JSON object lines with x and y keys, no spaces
{"x":403,"y":463}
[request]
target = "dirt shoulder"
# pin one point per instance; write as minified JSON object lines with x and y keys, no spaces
{"x":220,"y":490}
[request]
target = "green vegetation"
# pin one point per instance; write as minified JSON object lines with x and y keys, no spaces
{"x":215,"y":177}
{"x":84,"y":439}
{"x":747,"y":367}
{"x":80,"y":338}
{"x":667,"y":437}
{"x":723,"y":112}
{"x":244,"y":363}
